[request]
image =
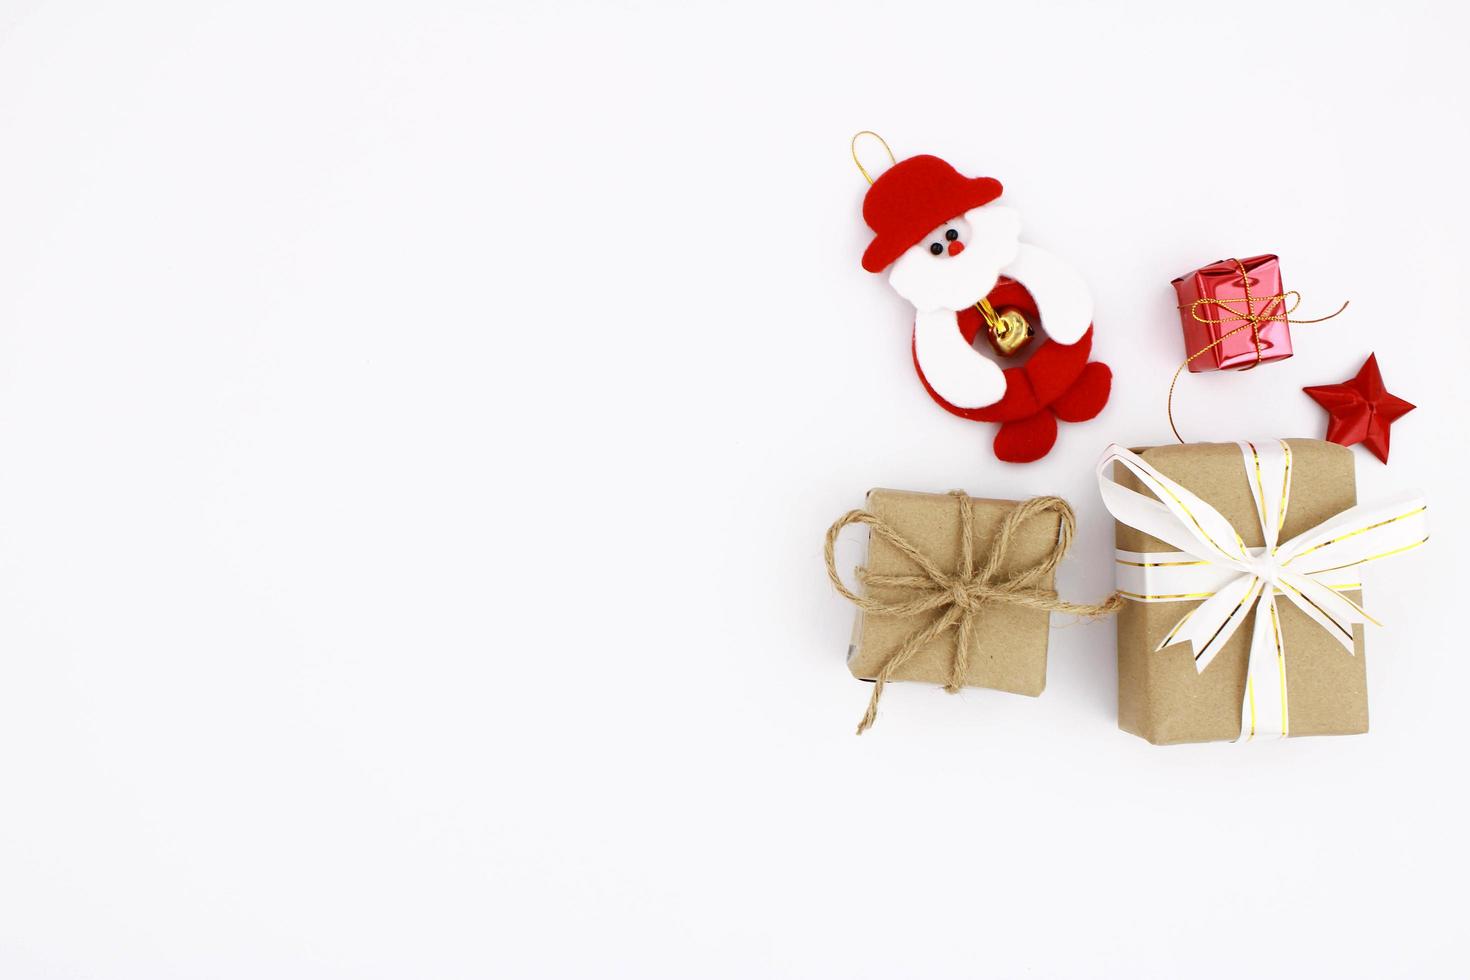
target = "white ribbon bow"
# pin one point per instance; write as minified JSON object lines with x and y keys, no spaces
{"x":1311,"y":570}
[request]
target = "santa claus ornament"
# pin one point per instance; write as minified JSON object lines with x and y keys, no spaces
{"x":1003,"y":329}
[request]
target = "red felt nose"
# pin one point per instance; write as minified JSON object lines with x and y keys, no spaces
{"x":956,"y":247}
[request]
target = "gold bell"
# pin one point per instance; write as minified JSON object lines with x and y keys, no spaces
{"x":1008,"y":330}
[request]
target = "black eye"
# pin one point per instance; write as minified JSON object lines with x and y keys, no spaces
{"x":951,"y":235}
{"x":936,"y":248}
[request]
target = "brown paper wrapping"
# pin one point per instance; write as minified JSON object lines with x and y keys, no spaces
{"x":1161,"y":697}
{"x":1010,"y":652}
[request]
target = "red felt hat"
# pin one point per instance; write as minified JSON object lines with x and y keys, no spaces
{"x":914,"y":197}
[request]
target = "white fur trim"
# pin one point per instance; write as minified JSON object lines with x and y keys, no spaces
{"x":1062,"y":298}
{"x":960,"y":374}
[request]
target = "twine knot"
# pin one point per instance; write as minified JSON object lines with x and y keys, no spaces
{"x":957,"y":600}
{"x":961,"y":595}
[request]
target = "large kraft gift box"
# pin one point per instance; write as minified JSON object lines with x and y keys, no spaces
{"x":1161,"y":696}
{"x":1010,"y":643}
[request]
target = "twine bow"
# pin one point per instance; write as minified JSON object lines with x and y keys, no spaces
{"x":1249,"y":319}
{"x":959,"y":597}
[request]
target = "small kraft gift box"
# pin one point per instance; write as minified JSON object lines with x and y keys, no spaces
{"x":1240,"y":567}
{"x":956,"y":591}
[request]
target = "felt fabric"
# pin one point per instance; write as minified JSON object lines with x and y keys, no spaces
{"x":904,"y":206}
{"x":1062,"y":298}
{"x":911,"y":199}
{"x":1026,"y":440}
{"x":950,"y":365}
{"x":991,"y":236}
{"x":1049,"y":372}
{"x":1057,"y":382}
{"x":1088,"y":394}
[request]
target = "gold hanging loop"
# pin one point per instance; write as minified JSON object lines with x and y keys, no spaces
{"x":864,"y":170}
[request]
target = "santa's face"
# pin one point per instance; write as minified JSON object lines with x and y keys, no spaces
{"x":958,"y":263}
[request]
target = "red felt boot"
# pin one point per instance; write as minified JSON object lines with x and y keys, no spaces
{"x":1026,"y":440}
{"x":1087,"y":395}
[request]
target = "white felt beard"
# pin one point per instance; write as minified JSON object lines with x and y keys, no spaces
{"x":941,"y":285}
{"x":953,"y":282}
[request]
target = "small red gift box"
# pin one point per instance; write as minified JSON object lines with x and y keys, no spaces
{"x":1226,"y":296}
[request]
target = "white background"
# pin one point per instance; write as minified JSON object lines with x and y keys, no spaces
{"x":418,"y":423}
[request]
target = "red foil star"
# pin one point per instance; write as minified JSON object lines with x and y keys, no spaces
{"x":1361,"y":410}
